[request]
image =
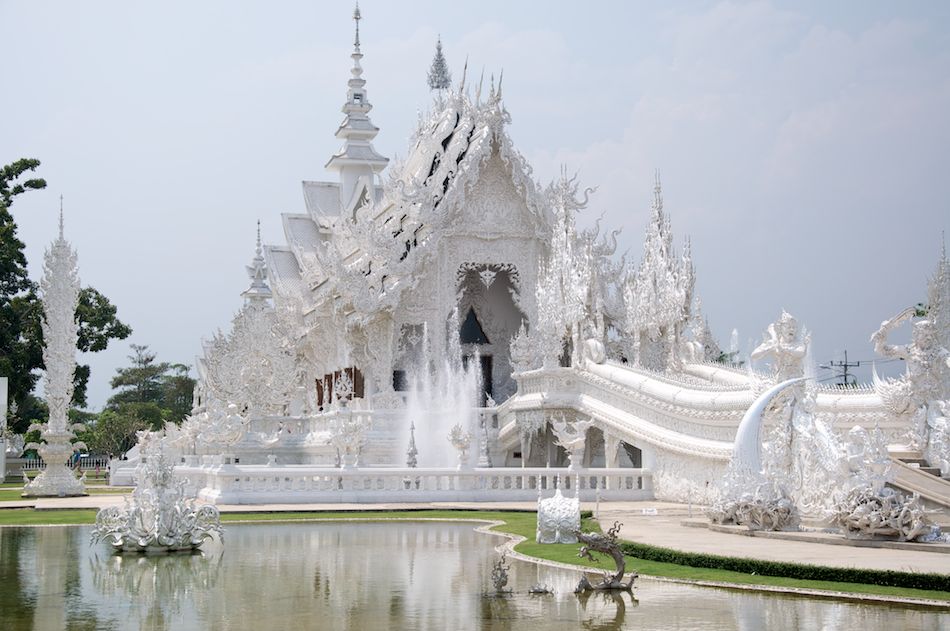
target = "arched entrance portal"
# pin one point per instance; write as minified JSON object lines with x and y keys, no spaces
{"x":489,"y":317}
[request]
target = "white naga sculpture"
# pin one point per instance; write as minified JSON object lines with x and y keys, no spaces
{"x":60,"y":287}
{"x":559,"y":518}
{"x":158,"y":517}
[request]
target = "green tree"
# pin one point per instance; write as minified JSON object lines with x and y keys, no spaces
{"x":10,"y":187}
{"x":113,"y":432}
{"x":21,"y":336}
{"x":19,"y":306}
{"x":153,"y":391}
{"x":140,"y":382}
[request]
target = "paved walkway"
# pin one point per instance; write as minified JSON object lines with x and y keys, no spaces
{"x":655,"y":523}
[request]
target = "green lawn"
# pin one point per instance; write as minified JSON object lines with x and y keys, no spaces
{"x":30,"y":517}
{"x":515,"y":523}
{"x":13,"y":493}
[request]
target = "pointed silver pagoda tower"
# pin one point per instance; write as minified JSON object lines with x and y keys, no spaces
{"x":259,"y":292}
{"x":357,"y":159}
{"x":60,"y":287}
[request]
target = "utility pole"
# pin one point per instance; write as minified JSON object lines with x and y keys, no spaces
{"x":844,"y":366}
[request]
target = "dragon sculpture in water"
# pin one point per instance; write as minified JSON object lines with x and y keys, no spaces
{"x":605,"y":544}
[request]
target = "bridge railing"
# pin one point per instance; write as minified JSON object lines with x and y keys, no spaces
{"x":222,"y":483}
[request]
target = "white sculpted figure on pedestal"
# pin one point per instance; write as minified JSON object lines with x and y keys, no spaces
{"x":347,"y":435}
{"x":559,"y":518}
{"x":60,"y":287}
{"x":572,"y":438}
{"x":926,"y":370}
{"x":158,"y":517}
{"x":786,"y":345}
{"x":461,"y":440}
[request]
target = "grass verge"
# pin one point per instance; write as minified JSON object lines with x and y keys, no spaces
{"x":522,"y":524}
{"x":16,"y":494}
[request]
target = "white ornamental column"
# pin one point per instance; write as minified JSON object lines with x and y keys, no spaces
{"x":60,"y":290}
{"x":3,"y":429}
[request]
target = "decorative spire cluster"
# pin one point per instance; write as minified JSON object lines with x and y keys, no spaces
{"x":659,"y":294}
{"x":357,"y":158}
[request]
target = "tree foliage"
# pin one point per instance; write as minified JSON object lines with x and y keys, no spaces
{"x":161,"y":391}
{"x":113,"y":432}
{"x":11,"y":173}
{"x":148,"y":393}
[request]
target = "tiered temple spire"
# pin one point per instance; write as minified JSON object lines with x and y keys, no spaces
{"x":259,"y":292}
{"x":357,"y":157}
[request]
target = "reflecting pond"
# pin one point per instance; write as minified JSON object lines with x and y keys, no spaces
{"x":346,"y":575}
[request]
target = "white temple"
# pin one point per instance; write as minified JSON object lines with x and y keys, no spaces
{"x":399,"y":289}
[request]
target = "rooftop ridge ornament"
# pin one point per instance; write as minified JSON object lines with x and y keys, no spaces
{"x":464,"y":74}
{"x":657,"y":193}
{"x":439,"y":77}
{"x":357,"y":16}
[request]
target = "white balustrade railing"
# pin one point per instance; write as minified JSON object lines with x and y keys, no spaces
{"x":84,"y":464}
{"x":221,"y":483}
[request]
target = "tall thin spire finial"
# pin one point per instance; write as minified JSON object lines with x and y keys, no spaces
{"x":464,"y":74}
{"x":356,"y":18}
{"x":258,"y":237}
{"x":657,"y":193}
{"x":60,"y":216}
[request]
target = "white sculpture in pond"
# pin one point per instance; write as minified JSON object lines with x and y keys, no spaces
{"x":158,"y":517}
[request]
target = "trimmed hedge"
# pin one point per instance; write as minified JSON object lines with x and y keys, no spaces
{"x":890,"y":578}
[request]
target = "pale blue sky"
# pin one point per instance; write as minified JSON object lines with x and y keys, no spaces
{"x":803,"y":146}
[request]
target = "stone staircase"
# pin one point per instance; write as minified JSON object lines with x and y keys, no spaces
{"x":913,"y":474}
{"x":921,"y":465}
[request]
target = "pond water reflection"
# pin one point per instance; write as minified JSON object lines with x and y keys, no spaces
{"x":398,"y":575}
